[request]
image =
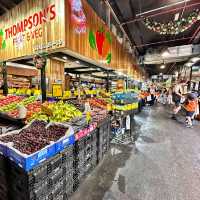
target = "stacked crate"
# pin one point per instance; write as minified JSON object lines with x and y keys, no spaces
{"x":3,"y":179}
{"x":103,"y":138}
{"x":68,"y":158}
{"x":85,"y":157}
{"x":48,"y":181}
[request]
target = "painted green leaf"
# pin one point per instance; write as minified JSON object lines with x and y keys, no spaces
{"x":109,"y":58}
{"x":1,"y":32}
{"x":109,"y":38}
{"x":4,"y":44}
{"x":92,"y":40}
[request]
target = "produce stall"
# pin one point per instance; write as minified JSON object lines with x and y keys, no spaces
{"x":55,"y":151}
{"x":57,"y":141}
{"x":125,"y":105}
{"x":60,"y":144}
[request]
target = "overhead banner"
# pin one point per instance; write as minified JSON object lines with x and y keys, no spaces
{"x":32,"y":26}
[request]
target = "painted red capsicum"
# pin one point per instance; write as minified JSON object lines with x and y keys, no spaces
{"x":100,"y":38}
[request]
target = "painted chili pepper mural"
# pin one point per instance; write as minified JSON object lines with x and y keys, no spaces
{"x":78,"y":16}
{"x":101,"y":41}
{"x":107,"y":45}
{"x":92,"y":40}
{"x":109,"y":58}
{"x":100,"y":38}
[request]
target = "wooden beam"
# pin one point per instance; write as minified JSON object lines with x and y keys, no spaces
{"x":3,"y":7}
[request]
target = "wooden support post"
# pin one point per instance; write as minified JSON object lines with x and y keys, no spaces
{"x":5,"y":79}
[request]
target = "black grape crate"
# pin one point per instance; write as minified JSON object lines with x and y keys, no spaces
{"x":76,"y":184}
{"x":91,"y":137}
{"x":3,"y":178}
{"x":36,"y":193}
{"x":69,"y":152}
{"x":3,"y":197}
{"x":18,"y":176}
{"x":3,"y":162}
{"x":69,"y":183}
{"x":88,"y":139}
{"x":45,"y":189}
{"x":79,"y":145}
{"x":57,"y":191}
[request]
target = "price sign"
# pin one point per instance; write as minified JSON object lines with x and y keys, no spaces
{"x":57,"y":90}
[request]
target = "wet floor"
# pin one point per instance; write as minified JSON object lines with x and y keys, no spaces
{"x":164,"y":163}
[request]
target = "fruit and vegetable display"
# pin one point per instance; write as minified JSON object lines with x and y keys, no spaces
{"x":98,"y":114}
{"x":96,"y":102}
{"x":125,"y":97}
{"x":6,"y":101}
{"x":77,"y":103}
{"x":57,"y":112}
{"x":11,"y":108}
{"x":35,"y":137}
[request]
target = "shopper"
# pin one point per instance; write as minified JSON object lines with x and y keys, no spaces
{"x":190,"y":106}
{"x":169,"y":97}
{"x":176,"y":96}
{"x":150,"y":98}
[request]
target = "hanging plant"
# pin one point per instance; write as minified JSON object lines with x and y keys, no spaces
{"x":40,"y":60}
{"x":173,"y":27}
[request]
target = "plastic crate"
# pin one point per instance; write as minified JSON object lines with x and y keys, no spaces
{"x":58,"y":191}
{"x":28,"y":162}
{"x":19,"y":176}
{"x":45,"y":188}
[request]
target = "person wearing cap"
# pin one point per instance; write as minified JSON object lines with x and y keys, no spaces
{"x":190,"y":106}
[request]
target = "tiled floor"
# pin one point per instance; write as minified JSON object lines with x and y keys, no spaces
{"x":164,"y":164}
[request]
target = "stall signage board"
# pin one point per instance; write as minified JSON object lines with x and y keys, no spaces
{"x":32,"y":26}
{"x":57,"y":90}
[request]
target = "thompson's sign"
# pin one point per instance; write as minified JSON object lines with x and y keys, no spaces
{"x":26,"y":29}
{"x":30,"y":27}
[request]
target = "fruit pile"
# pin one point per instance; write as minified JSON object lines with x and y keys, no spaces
{"x":35,"y":137}
{"x":5,"y":102}
{"x":78,"y":104}
{"x":57,"y":112}
{"x":30,"y":103}
{"x":100,"y":103}
{"x":98,"y":114}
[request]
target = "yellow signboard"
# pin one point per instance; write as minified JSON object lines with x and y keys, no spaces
{"x":57,"y":90}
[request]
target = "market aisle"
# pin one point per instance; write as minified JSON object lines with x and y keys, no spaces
{"x":165,"y":165}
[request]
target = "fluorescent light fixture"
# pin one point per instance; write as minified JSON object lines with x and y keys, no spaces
{"x":120,"y":73}
{"x":195,"y":59}
{"x":189,"y":64}
{"x":162,"y":67}
{"x":64,"y":57}
{"x":12,"y":64}
{"x":176,"y":16}
{"x":78,"y":62}
{"x":165,"y":54}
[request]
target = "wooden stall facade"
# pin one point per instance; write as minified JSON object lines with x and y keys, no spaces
{"x":79,"y":42}
{"x":32,"y":26}
{"x":47,"y":26}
